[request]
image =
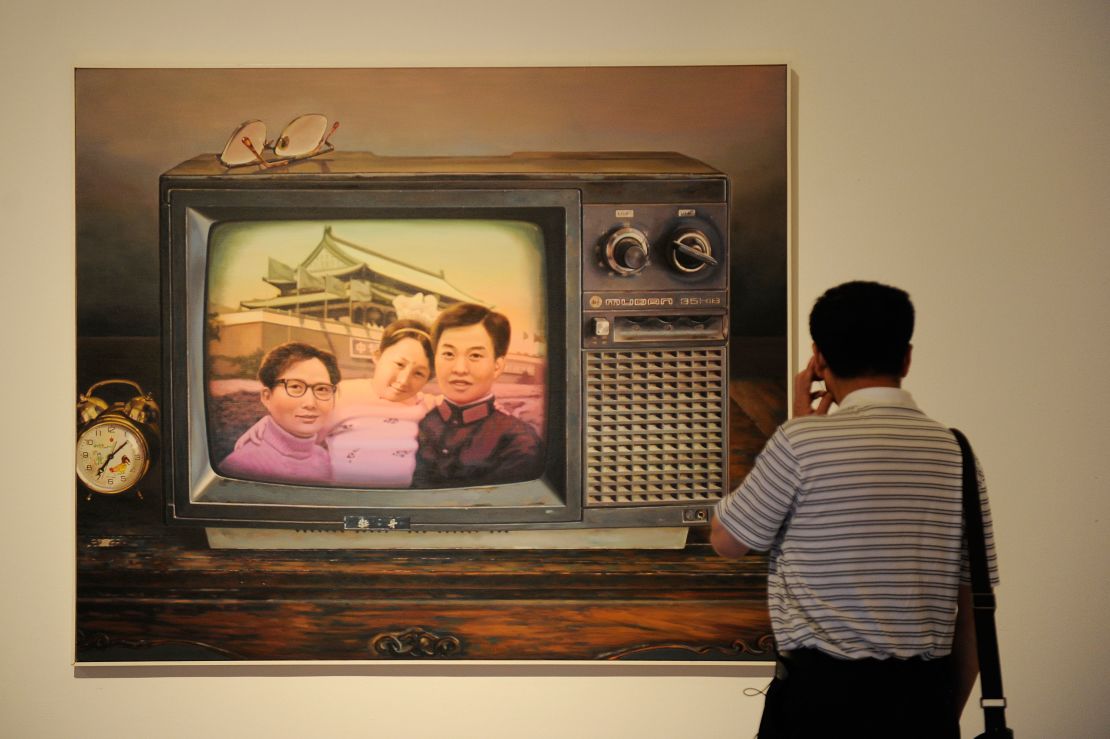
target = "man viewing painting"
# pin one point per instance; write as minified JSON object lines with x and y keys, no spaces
{"x":861,"y":512}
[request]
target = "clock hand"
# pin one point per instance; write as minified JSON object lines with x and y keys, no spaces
{"x":109,"y":459}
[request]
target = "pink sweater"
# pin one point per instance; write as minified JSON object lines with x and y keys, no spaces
{"x":268,"y":452}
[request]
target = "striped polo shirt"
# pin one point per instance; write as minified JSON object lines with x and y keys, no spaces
{"x":861,"y":511}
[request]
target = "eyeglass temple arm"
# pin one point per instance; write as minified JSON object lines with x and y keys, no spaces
{"x":266,"y":165}
{"x":258,"y":155}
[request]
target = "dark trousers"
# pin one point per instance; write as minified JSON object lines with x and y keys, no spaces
{"x":815,"y":695}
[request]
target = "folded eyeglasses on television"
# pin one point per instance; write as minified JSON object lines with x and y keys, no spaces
{"x":306,"y":136}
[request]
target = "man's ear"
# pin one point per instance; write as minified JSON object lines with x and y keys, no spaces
{"x":498,"y":366}
{"x":265,"y":396}
{"x":907,"y":360}
{"x":820,"y":366}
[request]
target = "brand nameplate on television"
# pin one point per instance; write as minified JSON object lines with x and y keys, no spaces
{"x":618,"y":301}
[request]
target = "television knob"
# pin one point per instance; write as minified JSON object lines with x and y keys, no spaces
{"x":626,"y":252}
{"x":691,"y":251}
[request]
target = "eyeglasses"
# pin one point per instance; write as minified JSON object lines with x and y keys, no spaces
{"x":305,"y":136}
{"x":297,"y":388}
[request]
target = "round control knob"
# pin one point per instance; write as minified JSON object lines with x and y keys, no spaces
{"x":691,"y":251}
{"x":626,"y":252}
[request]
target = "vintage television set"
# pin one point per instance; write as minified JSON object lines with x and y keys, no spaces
{"x":611,"y":270}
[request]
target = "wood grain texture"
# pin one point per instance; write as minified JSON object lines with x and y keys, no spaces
{"x":143,"y":590}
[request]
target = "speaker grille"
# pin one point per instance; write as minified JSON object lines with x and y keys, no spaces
{"x":655,"y":424}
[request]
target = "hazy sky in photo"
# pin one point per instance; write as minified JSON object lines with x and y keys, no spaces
{"x":498,"y":262}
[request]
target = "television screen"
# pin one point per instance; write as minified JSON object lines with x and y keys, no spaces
{"x":376,"y":353}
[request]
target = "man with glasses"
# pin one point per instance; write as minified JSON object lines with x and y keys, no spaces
{"x":298,"y":391}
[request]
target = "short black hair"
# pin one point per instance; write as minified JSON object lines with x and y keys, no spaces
{"x":469,"y":314}
{"x":283,"y":356}
{"x":863,"y":328}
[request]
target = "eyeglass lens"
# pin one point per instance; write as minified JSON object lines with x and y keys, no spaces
{"x":297,"y":388}
{"x":236,"y":152}
{"x":303,"y":135}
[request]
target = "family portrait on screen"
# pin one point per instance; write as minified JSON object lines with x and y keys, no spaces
{"x":377,"y":354}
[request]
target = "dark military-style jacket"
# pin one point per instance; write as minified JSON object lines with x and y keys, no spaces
{"x":475,"y":445}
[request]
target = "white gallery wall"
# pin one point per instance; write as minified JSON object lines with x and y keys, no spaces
{"x":956,"y":149}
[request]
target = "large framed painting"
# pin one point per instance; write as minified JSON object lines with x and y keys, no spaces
{"x":424,"y":364}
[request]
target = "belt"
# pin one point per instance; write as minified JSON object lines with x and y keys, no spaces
{"x":816,"y":661}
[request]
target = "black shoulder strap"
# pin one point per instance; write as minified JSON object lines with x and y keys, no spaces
{"x":990,"y":670}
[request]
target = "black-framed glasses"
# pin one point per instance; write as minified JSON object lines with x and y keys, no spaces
{"x":297,"y":388}
{"x":306,"y":136}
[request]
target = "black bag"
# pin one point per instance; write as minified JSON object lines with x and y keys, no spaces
{"x":992,"y":701}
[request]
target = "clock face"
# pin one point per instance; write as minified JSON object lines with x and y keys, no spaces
{"x":112,"y":456}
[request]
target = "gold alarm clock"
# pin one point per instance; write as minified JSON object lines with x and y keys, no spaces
{"x":116,"y":442}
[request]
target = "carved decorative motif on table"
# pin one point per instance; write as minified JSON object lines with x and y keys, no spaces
{"x":414,"y":643}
